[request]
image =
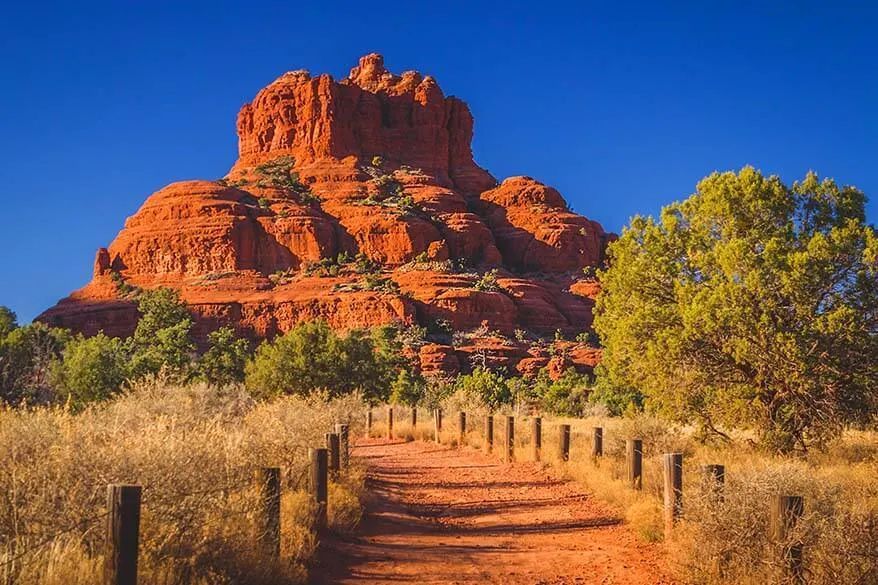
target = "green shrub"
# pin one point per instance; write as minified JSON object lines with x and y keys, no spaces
{"x":487,"y":282}
{"x":226,"y":358}
{"x":90,"y":369}
{"x":406,"y":389}
{"x":312,"y":356}
{"x":489,"y":387}
{"x":26,"y":356}
{"x":567,"y":396}
{"x":162,"y":338}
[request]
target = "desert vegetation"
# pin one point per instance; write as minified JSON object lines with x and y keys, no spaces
{"x":194,"y":449}
{"x":740,"y":328}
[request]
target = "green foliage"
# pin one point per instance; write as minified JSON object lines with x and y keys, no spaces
{"x":568,"y":395}
{"x":264,"y":203}
{"x":377,"y":161}
{"x":487,"y":282}
{"x":617,"y":397}
{"x":26,"y":355}
{"x":90,"y":369}
{"x":279,"y":173}
{"x":489,"y":387}
{"x":8,"y":321}
{"x":311,"y":356}
{"x":162,"y":337}
{"x":406,"y":389}
{"x":122,"y":287}
{"x":750,"y":303}
{"x":225,"y":360}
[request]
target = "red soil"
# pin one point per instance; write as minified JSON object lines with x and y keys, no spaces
{"x":440,"y":515}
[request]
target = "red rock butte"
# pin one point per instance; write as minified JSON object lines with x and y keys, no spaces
{"x":359,"y":203}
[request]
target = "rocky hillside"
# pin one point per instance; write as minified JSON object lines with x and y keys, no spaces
{"x":358,"y":202}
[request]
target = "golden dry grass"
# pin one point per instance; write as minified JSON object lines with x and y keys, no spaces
{"x":194,"y":450}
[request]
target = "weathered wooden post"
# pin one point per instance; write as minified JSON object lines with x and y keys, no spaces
{"x":437,"y":425}
{"x":368,"y":423}
{"x":673,"y":474}
{"x":713,"y":479}
{"x":634,"y":452}
{"x":564,"y":443}
{"x":389,"y":422}
{"x":320,"y":483}
{"x":509,"y":451}
{"x":785,"y":514}
{"x":332,"y":446}
{"x":461,"y":427}
{"x":536,"y":434}
{"x":597,"y":442}
{"x":123,"y":534}
{"x":414,"y":417}
{"x":489,"y":432}
{"x":268,"y":537}
{"x":344,"y":444}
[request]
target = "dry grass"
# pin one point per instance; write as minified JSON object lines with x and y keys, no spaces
{"x":194,"y":451}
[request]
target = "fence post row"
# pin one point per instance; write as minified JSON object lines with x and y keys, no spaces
{"x":537,"y":436}
{"x":268,"y":537}
{"x":368,"y":422}
{"x":673,"y":474}
{"x":634,"y":453}
{"x":461,"y":425}
{"x":437,"y":425}
{"x":597,"y":442}
{"x":414,"y":417}
{"x":344,"y":444}
{"x":123,"y":534}
{"x":564,"y":443}
{"x":489,"y":432}
{"x":319,"y":483}
{"x":332,"y":445}
{"x":785,"y":514}
{"x":389,"y":422}
{"x":509,"y":451}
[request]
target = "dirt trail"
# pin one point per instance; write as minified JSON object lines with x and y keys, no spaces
{"x":440,"y":515}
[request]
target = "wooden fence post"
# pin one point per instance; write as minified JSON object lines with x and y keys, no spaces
{"x":713,"y":479}
{"x":509,"y":451}
{"x":634,"y":452}
{"x":537,"y":436}
{"x":368,"y":422}
{"x":414,"y":417}
{"x":597,"y":442}
{"x":461,"y":427}
{"x":320,"y":483}
{"x":344,"y":444}
{"x":389,"y":422}
{"x":123,"y":534}
{"x":489,"y":432}
{"x":785,"y":514}
{"x":673,"y":473}
{"x":268,"y":537}
{"x":437,"y":425}
{"x":564,"y":443}
{"x":332,"y":446}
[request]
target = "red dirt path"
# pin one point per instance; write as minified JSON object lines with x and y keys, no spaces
{"x":440,"y":515}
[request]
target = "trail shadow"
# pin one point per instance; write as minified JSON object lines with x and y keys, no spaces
{"x":406,"y":531}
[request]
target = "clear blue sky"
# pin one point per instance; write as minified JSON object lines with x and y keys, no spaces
{"x":622,"y":108}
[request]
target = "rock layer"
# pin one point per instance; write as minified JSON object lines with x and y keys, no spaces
{"x":377,"y":167}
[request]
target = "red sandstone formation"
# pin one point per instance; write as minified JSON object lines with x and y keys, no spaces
{"x":376,"y":165}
